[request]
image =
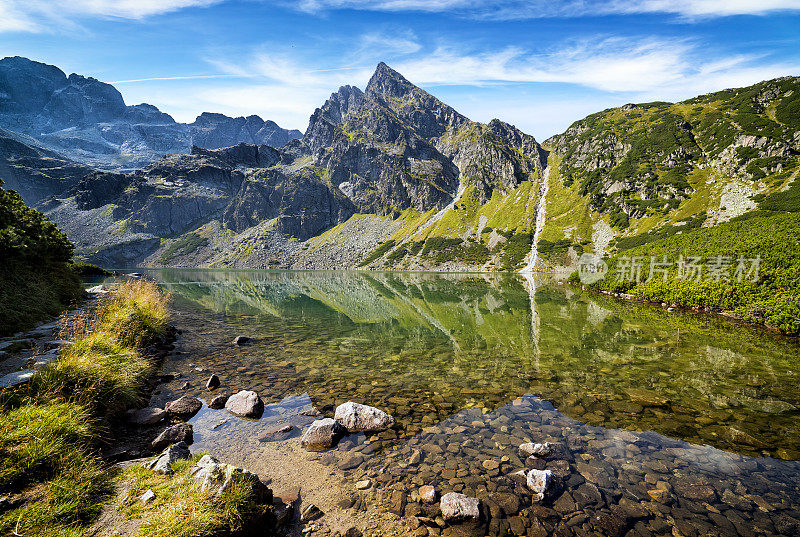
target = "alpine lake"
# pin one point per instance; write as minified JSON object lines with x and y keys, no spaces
{"x":662,"y":423}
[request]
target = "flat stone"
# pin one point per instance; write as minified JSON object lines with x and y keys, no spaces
{"x":184,"y":408}
{"x":658,"y":495}
{"x":364,"y":484}
{"x":212,"y":383}
{"x":277,"y":434}
{"x":16,"y":378}
{"x":356,"y":417}
{"x":539,"y":481}
{"x":457,"y":507}
{"x":322,"y":434}
{"x":540,"y":451}
{"x":353,"y":461}
{"x":218,"y":402}
{"x":245,"y":404}
{"x":162,"y":464}
{"x":508,"y":502}
{"x":181,"y":432}
{"x":146,"y":416}
{"x":427,"y":494}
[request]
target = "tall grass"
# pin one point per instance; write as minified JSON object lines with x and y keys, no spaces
{"x":48,"y":433}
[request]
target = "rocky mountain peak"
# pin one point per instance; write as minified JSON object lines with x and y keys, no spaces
{"x":387,"y":83}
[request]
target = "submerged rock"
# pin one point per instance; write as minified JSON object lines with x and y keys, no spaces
{"x":246,"y":404}
{"x":181,"y":432}
{"x":213,"y":382}
{"x":355,"y":417}
{"x":322,"y":434}
{"x":277,"y":434}
{"x":162,"y":464}
{"x":457,"y":507}
{"x":184,"y":408}
{"x":540,"y":451}
{"x":539,"y":482}
{"x":216,"y":477}
{"x":146,"y":416}
{"x":427,"y":494}
{"x":218,"y":402}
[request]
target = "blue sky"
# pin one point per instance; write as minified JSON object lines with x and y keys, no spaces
{"x":538,"y":65}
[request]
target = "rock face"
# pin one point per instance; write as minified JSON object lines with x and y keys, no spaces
{"x":183,"y":408}
{"x":181,"y":432}
{"x":457,"y":507}
{"x":356,"y":417}
{"x":246,"y":404}
{"x":217,"y":478}
{"x":88,"y":121}
{"x":162,"y":464}
{"x":322,"y":434}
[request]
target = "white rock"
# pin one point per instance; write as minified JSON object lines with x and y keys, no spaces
{"x":355,"y":417}
{"x":163,"y":463}
{"x":245,"y":404}
{"x":457,"y":507}
{"x":539,"y":481}
{"x":148,"y":496}
{"x":539,"y":451}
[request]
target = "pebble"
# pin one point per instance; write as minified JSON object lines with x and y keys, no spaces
{"x":364,"y":484}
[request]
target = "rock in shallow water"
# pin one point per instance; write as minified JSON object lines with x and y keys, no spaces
{"x":457,"y":507}
{"x":539,"y":451}
{"x":182,"y":432}
{"x":246,"y":404}
{"x":356,"y":417}
{"x":539,"y":481}
{"x":427,"y":494}
{"x":218,"y":402}
{"x":241,"y":340}
{"x":322,"y":434}
{"x":212,"y":383}
{"x":184,"y":408}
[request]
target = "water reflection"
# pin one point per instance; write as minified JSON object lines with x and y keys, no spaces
{"x":426,"y":346}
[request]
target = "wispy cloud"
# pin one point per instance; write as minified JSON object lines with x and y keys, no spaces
{"x":185,"y":77}
{"x":48,"y":15}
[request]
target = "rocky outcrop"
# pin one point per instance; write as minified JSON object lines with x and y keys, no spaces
{"x":213,"y":131}
{"x":162,"y":464}
{"x":217,"y":478}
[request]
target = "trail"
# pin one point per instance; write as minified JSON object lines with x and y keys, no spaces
{"x":541,"y":205}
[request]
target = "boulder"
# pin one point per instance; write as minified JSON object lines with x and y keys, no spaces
{"x":539,"y":481}
{"x":355,"y":417}
{"x":218,"y":402}
{"x":322,"y":434}
{"x":245,"y":404}
{"x":162,"y":464}
{"x":212,"y":383}
{"x":181,"y":432}
{"x":457,"y":507}
{"x":184,"y":408}
{"x":146,"y":416}
{"x":540,"y":451}
{"x":217,"y":478}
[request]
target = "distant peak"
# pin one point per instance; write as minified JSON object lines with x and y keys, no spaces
{"x":387,"y":82}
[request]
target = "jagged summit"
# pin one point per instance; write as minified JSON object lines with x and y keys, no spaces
{"x":387,"y":83}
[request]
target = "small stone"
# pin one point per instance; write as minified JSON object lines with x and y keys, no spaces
{"x":184,"y":408}
{"x":356,"y":417}
{"x":457,"y":507}
{"x":310,"y":512}
{"x":212,"y":383}
{"x":353,"y":532}
{"x":322,"y":434}
{"x":181,"y":432}
{"x":427,"y":494}
{"x":218,"y":402}
{"x":658,"y":495}
{"x":163,"y":463}
{"x":146,"y":416}
{"x":246,"y":404}
{"x":415,"y":457}
{"x":277,"y":434}
{"x":148,"y":496}
{"x":540,"y":451}
{"x":539,"y":481}
{"x":491,"y":464}
{"x":363,"y":485}
{"x":241,"y":340}
{"x":186,"y":386}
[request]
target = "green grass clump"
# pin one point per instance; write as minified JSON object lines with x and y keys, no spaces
{"x":774,"y":299}
{"x":88,"y":269}
{"x":186,"y":245}
{"x":378,"y":252}
{"x":180,"y":509}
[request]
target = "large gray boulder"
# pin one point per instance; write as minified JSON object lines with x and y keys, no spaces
{"x":245,"y":404}
{"x":162,"y":464}
{"x":356,"y":417}
{"x":322,"y":434}
{"x":184,"y":408}
{"x":457,"y":507}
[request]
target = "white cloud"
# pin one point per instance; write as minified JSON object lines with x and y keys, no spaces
{"x":47,"y":15}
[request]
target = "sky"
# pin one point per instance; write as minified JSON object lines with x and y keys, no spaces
{"x":537,"y":65}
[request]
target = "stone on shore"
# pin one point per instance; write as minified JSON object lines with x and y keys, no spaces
{"x":218,"y":402}
{"x":212,"y":383}
{"x":184,"y":408}
{"x":539,"y":482}
{"x":146,"y":416}
{"x":181,"y":432}
{"x":356,"y":417}
{"x":540,"y":451}
{"x":216,"y":477}
{"x":322,"y":434}
{"x":162,"y":464}
{"x":457,"y":507}
{"x":245,"y":404}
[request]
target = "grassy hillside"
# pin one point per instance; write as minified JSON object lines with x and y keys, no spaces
{"x":36,"y":281}
{"x":773,"y":299}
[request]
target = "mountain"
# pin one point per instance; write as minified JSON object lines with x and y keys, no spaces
{"x":87,"y":121}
